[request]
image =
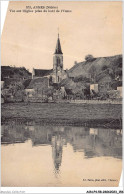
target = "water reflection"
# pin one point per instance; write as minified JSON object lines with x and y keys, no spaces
{"x":93,"y":142}
{"x":57,"y":148}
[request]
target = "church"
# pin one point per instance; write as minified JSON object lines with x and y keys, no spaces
{"x":57,"y":74}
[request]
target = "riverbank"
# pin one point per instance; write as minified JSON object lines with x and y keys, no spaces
{"x":64,"y":114}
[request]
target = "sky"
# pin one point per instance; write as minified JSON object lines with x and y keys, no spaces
{"x":29,"y":39}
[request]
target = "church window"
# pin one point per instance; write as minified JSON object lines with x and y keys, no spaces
{"x":58,"y":60}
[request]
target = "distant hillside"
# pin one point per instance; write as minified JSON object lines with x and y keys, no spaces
{"x":14,"y":72}
{"x":97,"y":66}
{"x":97,"y":70}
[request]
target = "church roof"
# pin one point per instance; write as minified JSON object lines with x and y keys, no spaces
{"x":58,"y":49}
{"x":42,"y":72}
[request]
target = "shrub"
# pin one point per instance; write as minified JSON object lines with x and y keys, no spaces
{"x":89,"y":57}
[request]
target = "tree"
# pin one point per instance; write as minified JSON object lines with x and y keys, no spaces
{"x":89,"y":57}
{"x":17,"y":90}
{"x":49,"y":92}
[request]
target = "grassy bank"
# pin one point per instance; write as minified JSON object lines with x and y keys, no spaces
{"x":64,"y":114}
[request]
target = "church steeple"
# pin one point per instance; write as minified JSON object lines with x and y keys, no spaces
{"x":58,"y":62}
{"x":58,"y":49}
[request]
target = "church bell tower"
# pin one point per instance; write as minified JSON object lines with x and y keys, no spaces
{"x":58,"y":62}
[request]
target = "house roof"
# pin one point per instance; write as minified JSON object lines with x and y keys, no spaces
{"x":6,"y":71}
{"x":29,"y":84}
{"x":26,"y":83}
{"x":14,"y":72}
{"x":42,"y":72}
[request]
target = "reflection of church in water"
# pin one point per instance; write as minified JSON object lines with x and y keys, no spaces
{"x":93,"y":142}
{"x":57,"y":148}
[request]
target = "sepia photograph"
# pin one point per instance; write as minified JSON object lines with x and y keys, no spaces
{"x":61,"y":94}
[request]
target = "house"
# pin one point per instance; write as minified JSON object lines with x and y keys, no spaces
{"x":2,"y":84}
{"x":36,"y":87}
{"x":12,"y":82}
{"x":94,"y":87}
{"x":30,"y":92}
{"x":104,"y":83}
{"x":119,"y":89}
{"x":6,"y":72}
{"x":14,"y":72}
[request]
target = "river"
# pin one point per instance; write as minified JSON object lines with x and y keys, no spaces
{"x":36,"y":155}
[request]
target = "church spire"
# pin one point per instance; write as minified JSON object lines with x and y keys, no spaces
{"x":58,"y":49}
